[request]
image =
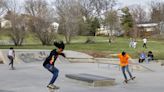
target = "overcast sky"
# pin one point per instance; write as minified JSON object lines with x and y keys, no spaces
{"x":122,"y":3}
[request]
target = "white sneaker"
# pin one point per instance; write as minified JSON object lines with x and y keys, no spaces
{"x":51,"y":86}
{"x":56,"y":87}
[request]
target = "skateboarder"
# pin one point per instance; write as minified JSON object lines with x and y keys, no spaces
{"x":124,"y":65}
{"x":50,"y":60}
{"x":11,"y":56}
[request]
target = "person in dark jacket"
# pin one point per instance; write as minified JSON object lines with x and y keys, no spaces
{"x":50,"y":61}
{"x":150,"y":56}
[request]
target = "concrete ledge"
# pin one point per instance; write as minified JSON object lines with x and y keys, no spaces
{"x":81,"y":60}
{"x":93,"y":80}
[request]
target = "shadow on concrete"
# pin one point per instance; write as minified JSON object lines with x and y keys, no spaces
{"x":6,"y":91}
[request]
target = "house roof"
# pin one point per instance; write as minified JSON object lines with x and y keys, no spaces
{"x":148,"y":25}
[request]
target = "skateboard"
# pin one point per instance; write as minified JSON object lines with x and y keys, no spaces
{"x":53,"y":89}
{"x":129,"y":79}
{"x":12,"y":68}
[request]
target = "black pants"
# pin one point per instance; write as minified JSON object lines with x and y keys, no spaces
{"x":141,"y":60}
{"x":11,"y":61}
{"x":144,"y":45}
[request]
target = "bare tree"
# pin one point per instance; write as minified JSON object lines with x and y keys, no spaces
{"x":69,"y":17}
{"x":155,"y":12}
{"x":139,"y":15}
{"x":72,"y":13}
{"x":96,"y":8}
{"x":2,"y":7}
{"x":41,"y":16}
{"x":17,"y":31}
{"x":86,"y":8}
{"x":102,"y":6}
{"x":111,"y":23}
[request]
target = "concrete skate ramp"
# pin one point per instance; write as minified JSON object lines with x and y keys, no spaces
{"x":40,"y":56}
{"x":29,"y":56}
{"x":93,"y":80}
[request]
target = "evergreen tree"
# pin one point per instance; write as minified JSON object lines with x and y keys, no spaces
{"x":126,"y":21}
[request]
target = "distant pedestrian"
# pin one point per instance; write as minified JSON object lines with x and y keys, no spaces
{"x":131,"y":42}
{"x":11,"y":57}
{"x":50,"y":61}
{"x":150,"y":56}
{"x":142,"y":57}
{"x":144,"y":43}
{"x":124,"y":63}
{"x":134,"y":44}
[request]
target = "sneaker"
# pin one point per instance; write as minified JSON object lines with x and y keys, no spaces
{"x":133,"y":78}
{"x":56,"y":87}
{"x":51,"y":86}
{"x":126,"y":81}
{"x":11,"y":68}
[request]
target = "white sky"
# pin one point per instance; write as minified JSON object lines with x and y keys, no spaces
{"x":140,"y":2}
{"x":123,"y":3}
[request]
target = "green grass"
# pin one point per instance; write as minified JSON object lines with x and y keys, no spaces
{"x":121,"y":44}
{"x":101,"y":45}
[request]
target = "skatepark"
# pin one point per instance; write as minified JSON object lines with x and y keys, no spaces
{"x":30,"y":75}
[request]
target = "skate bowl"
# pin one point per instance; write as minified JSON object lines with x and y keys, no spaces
{"x":92,"y":80}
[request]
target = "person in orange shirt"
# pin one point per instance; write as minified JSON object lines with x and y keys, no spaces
{"x":124,"y":65}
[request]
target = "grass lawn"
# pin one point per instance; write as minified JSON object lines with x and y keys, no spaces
{"x":102,"y":46}
{"x":121,"y":44}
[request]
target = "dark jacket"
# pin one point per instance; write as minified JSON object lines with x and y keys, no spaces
{"x":51,"y":58}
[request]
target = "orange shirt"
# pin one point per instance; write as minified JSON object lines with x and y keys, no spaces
{"x":123,"y":59}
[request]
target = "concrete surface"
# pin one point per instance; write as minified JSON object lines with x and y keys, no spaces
{"x":92,"y":80}
{"x":31,"y":55}
{"x":32,"y":77}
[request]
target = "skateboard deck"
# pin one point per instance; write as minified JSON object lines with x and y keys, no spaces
{"x":12,"y":68}
{"x":53,"y":90}
{"x":129,"y":79}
